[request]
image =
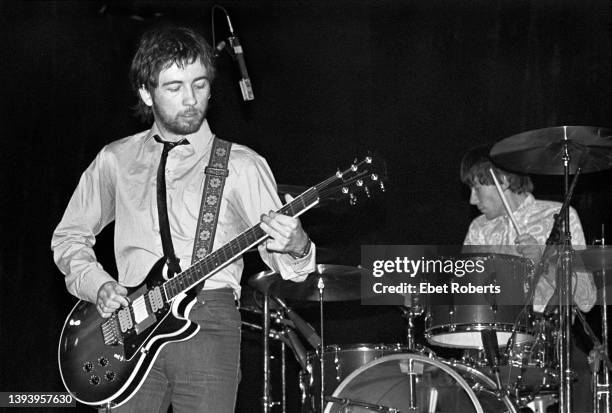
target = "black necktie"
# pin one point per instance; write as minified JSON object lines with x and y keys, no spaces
{"x":162,"y":207}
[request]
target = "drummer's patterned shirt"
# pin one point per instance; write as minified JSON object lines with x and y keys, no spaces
{"x":534,"y":217}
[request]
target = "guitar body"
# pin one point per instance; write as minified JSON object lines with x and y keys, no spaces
{"x":96,"y":370}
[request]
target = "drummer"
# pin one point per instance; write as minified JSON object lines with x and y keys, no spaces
{"x":533,"y":217}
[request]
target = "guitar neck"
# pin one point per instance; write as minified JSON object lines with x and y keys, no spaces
{"x":210,"y":264}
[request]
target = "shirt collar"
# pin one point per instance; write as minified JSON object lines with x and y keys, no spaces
{"x":529,"y":200}
{"x":200,"y":140}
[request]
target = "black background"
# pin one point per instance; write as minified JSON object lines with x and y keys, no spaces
{"x":414,"y":81}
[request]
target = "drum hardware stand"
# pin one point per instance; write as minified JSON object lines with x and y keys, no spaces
{"x":599,"y":354}
{"x":491,"y":349}
{"x":321,"y":287}
{"x":597,"y":357}
{"x":284,"y":376}
{"x":409,"y":315}
{"x":287,"y":338}
{"x":265,"y":399}
{"x":564,"y":286}
{"x":598,"y":361}
{"x":564,"y":279}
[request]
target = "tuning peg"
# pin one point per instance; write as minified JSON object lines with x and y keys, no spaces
{"x":338,"y":174}
{"x":367,"y":191}
{"x":382,"y":186}
{"x":352,"y":199}
{"x":368,"y":159}
{"x":359,"y":182}
{"x":345,"y":190}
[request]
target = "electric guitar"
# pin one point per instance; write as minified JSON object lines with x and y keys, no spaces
{"x":104,"y":361}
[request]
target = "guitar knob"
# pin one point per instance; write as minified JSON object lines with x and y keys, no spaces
{"x":88,"y":366}
{"x":110,"y":376}
{"x":103,"y":361}
{"x":94,"y":380}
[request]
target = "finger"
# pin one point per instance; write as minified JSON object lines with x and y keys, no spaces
{"x":283,"y":219}
{"x":273,"y":233}
{"x":288,"y":198}
{"x":274,"y":228}
{"x":122,"y":300}
{"x":121,"y":290}
{"x":119,"y":295}
{"x":111,"y":305}
{"x":103,"y":311}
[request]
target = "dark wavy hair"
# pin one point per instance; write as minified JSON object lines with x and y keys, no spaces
{"x":160,"y":48}
{"x":475,"y":170}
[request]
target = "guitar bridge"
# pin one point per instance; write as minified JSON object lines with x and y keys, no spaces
{"x":110,"y":331}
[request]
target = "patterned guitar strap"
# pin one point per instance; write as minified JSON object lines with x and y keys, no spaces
{"x":216,"y":173}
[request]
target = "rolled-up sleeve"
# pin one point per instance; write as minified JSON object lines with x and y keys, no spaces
{"x":89,"y":210}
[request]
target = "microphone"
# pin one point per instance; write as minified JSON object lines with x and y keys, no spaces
{"x":245,"y":82}
{"x":301,"y":325}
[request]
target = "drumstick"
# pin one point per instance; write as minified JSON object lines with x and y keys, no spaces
{"x":504,"y":201}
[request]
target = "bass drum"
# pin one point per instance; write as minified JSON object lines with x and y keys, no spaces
{"x":416,"y":383}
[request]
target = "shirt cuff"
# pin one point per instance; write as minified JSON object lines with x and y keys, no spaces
{"x":89,"y":283}
{"x":296,"y":269}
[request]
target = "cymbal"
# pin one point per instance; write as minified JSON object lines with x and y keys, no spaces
{"x":341,"y":283}
{"x":597,"y":258}
{"x":541,"y":151}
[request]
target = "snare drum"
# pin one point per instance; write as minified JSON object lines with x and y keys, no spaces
{"x":414,"y":383}
{"x":455,"y":320}
{"x":339,"y":362}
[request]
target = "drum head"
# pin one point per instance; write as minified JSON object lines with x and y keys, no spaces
{"x":472,"y":339}
{"x":386,"y":383}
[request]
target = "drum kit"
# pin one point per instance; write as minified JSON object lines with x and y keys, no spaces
{"x":513,"y":360}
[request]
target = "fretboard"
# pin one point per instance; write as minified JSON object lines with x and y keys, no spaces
{"x":207,"y":266}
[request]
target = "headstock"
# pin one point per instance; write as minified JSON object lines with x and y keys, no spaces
{"x":362,"y":176}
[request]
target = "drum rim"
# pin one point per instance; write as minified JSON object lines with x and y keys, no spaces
{"x":331,"y":348}
{"x":433,"y":332}
{"x":490,"y":255}
{"x":463,"y":327}
{"x":424,"y":359}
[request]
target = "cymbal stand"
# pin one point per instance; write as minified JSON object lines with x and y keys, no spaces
{"x":564,"y":286}
{"x":284,"y":376}
{"x":267,"y":332}
{"x":265,"y":399}
{"x":321,"y":287}
{"x":598,"y":357}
